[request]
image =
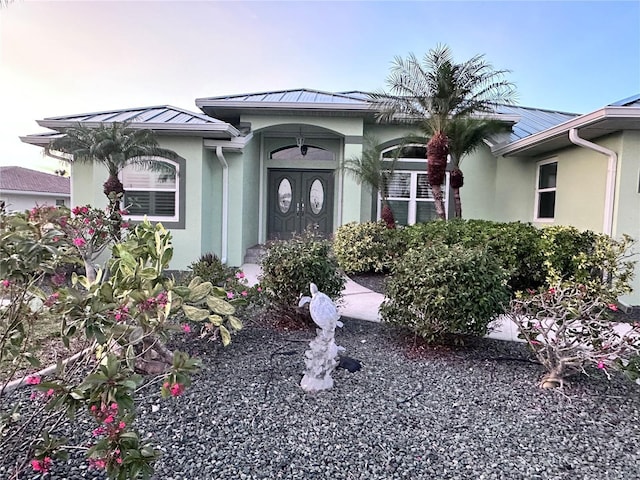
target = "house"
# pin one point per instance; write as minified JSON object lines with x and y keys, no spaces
{"x":261,"y":166}
{"x":23,"y":189}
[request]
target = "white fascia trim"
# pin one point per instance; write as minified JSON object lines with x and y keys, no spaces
{"x":197,"y":128}
{"x":234,"y":145}
{"x":39,"y":194}
{"x":564,"y":127}
{"x":39,"y":140}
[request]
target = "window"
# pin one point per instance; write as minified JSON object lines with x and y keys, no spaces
{"x":59,"y":202}
{"x":294,"y":153}
{"x":546,"y":191}
{"x":410,"y":197}
{"x":154,"y":191}
{"x":408,"y":191}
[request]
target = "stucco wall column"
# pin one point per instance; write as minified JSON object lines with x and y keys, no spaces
{"x":354,"y":206}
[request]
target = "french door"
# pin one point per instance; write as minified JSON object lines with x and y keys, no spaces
{"x":299,"y":199}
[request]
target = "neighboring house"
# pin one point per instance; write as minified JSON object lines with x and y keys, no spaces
{"x":261,"y":166}
{"x":22,"y":189}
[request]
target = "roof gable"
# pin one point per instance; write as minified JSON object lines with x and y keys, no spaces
{"x":26,"y":180}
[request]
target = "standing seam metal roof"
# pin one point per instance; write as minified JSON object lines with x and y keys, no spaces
{"x":290,"y":96}
{"x":158,"y":114}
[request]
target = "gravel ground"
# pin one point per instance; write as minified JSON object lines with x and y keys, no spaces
{"x":465,"y":413}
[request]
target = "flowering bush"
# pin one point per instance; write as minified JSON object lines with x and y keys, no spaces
{"x":568,"y":328}
{"x":127,"y":314}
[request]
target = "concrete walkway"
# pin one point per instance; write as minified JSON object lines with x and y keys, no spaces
{"x":361,"y":303}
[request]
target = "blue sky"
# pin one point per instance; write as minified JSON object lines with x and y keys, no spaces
{"x":59,"y":58}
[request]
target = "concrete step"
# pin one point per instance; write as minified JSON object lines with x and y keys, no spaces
{"x":254,"y":254}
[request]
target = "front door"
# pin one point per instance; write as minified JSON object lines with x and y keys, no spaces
{"x":299,"y":199}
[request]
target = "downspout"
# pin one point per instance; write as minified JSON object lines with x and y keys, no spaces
{"x":610,"y":192}
{"x":225,"y":204}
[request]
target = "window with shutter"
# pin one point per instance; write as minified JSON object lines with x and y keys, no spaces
{"x":151,"y":189}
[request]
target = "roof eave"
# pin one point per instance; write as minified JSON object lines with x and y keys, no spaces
{"x":196,"y":129}
{"x":563,"y":128}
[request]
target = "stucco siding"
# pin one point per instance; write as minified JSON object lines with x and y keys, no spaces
{"x":187,"y":244}
{"x":627,"y":205}
{"x":479,"y":190}
{"x":514,"y":190}
{"x":251,"y":197}
{"x":348,"y":126}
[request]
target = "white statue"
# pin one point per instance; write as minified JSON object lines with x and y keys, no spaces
{"x":322,"y":358}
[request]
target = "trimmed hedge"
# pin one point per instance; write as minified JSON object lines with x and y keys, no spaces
{"x":367,"y":247}
{"x":440,"y":290}
{"x":289,"y":266}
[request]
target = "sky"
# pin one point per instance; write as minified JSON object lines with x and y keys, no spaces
{"x":67,"y":57}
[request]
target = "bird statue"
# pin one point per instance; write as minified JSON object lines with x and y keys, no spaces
{"x":323,"y":311}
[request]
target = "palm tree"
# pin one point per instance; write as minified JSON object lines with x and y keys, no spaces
{"x":436,"y":92}
{"x":466,"y":135}
{"x":115,"y":146}
{"x":369,"y":168}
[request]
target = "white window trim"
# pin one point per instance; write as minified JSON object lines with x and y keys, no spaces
{"x":543,"y":190}
{"x":176,"y":190}
{"x":413,"y":193}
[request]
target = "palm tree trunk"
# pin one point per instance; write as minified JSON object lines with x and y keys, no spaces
{"x":457,"y":181}
{"x":437,"y":151}
{"x":457,"y":203}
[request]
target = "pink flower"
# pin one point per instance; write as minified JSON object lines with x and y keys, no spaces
{"x":124,"y":225}
{"x":94,"y":408}
{"x":86,"y":221}
{"x":552,"y":291}
{"x":229,"y":294}
{"x":177,"y":389}
{"x":50,"y":392}
{"x":5,"y":283}
{"x":121,"y":425}
{"x":79,"y":242}
{"x":114,"y":406}
{"x":41,"y":465}
{"x":33,"y":380}
{"x":123,"y":212}
{"x":91,"y":231}
{"x":259,"y":289}
{"x":76,"y":210}
{"x":99,"y":431}
{"x":613,"y":307}
{"x":601,"y":365}
{"x":84,"y":210}
{"x":239,"y":275}
{"x":244,"y":293}
{"x":119,"y":460}
{"x":186,"y":328}
{"x":109,"y":419}
{"x":97,"y":463}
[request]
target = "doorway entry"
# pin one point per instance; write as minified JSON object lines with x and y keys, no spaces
{"x":299,"y":199}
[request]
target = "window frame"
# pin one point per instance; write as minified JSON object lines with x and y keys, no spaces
{"x":536,"y":208}
{"x":420,"y":169}
{"x":177,"y":221}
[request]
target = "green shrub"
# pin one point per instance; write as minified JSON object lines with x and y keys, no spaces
{"x":366,"y":247}
{"x":595,"y":260}
{"x":210,"y":269}
{"x":515,"y":245}
{"x":440,"y":290}
{"x":289,"y":266}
